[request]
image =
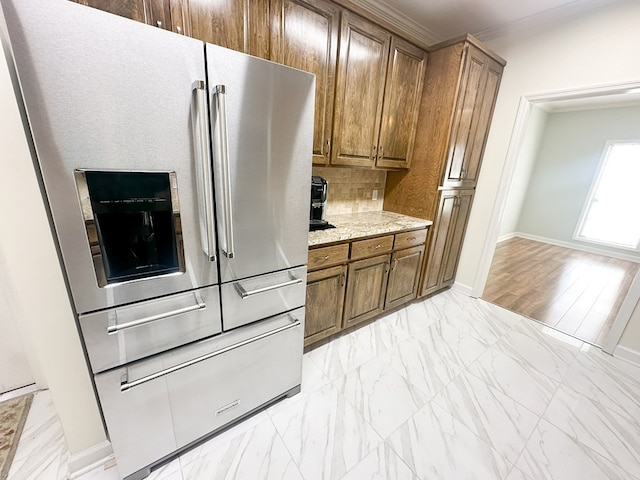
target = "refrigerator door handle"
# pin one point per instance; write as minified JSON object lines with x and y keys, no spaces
{"x":125,"y":384}
{"x":222,"y":162}
{"x":244,"y":294}
{"x":115,"y":327}
{"x":204,"y":175}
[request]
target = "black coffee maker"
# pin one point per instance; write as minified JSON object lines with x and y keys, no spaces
{"x":317,"y":220}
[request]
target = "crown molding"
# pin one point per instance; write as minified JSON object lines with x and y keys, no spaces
{"x":546,"y":18}
{"x":401,"y":22}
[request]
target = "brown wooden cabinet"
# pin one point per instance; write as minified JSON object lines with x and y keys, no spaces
{"x":404,"y":276}
{"x":241,"y":25}
{"x":366,"y":289}
{"x":474,"y":108}
{"x":460,"y":89}
{"x":364,"y":51}
{"x":304,"y":35}
{"x":405,"y":75}
{"x":446,"y":239}
{"x":325,"y":299}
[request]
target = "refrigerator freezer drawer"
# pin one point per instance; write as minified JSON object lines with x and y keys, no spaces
{"x":162,"y":404}
{"x":246,"y":301}
{"x":125,"y":334}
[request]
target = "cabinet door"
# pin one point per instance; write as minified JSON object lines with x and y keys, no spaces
{"x":446,"y":239}
{"x":366,"y":289}
{"x":403,"y":91}
{"x":304,"y":35}
{"x":241,"y":25}
{"x":362,"y":63}
{"x":325,"y":299}
{"x":474,"y":108}
{"x":403,"y":276}
{"x":133,"y":9}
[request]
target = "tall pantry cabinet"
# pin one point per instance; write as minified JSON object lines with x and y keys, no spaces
{"x":460,"y":90}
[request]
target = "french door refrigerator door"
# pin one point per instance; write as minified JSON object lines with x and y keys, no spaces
{"x":103,"y":93}
{"x":262,"y":129}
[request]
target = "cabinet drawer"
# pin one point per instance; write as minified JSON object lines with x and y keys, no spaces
{"x":326,"y":256}
{"x":373,"y":246}
{"x":410,"y":239}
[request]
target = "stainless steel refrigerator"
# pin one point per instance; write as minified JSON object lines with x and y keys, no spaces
{"x":177,"y":177}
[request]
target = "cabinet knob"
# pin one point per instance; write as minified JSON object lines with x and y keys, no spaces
{"x":179,"y":29}
{"x":380,"y":153}
{"x":159,"y":24}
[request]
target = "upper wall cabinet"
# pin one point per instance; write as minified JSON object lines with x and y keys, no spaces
{"x":364,"y":51}
{"x":241,"y":25}
{"x":405,"y":76}
{"x":304,"y":35}
{"x":474,"y":108}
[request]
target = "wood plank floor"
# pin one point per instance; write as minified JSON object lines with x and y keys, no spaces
{"x":576,"y":292}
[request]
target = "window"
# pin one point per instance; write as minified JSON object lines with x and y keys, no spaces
{"x":611,"y":215}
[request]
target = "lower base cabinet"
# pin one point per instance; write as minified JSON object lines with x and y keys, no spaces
{"x":351,"y":282}
{"x":325,"y":298}
{"x":366,"y":289}
{"x":404,"y":276}
{"x":446,"y":240}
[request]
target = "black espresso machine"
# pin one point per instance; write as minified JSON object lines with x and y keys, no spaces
{"x":317,"y":221}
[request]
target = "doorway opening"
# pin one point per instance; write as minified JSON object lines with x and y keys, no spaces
{"x":616,"y":274}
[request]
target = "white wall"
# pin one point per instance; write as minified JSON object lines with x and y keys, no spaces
{"x":32,"y":274}
{"x":525,"y":162}
{"x":598,"y":48}
{"x":570,"y":152}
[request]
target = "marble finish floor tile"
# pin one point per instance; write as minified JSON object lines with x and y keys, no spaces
{"x":381,"y":464}
{"x":451,"y":344}
{"x":503,"y":423}
{"x":614,"y":436}
{"x":608,"y":380}
{"x":42,"y":452}
{"x":473,"y":317}
{"x":385,"y":398}
{"x":383,"y":334}
{"x":435,"y":445}
{"x":325,"y":434}
{"x":551,"y":454}
{"x":258,"y":454}
{"x":422,"y":366}
{"x":340,"y":356}
{"x":516,"y":379}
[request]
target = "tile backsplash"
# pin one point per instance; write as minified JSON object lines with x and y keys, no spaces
{"x":351,"y":189}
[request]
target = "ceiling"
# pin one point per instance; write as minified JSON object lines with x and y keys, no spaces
{"x":433,"y":21}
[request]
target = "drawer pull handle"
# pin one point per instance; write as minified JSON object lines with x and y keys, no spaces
{"x":411,"y":239}
{"x":244,"y":294}
{"x":115,"y":327}
{"x":125,"y":384}
{"x":377,"y":246}
{"x":326,"y":257}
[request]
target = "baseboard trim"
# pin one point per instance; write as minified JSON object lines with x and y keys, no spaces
{"x":508,"y":236}
{"x":461,"y":288}
{"x":574,"y":246}
{"x":89,"y":459}
{"x":628,"y":354}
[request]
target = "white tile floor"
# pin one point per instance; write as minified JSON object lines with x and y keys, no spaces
{"x":447,"y":388}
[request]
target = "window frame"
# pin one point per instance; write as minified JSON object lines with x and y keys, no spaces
{"x":589,"y":199}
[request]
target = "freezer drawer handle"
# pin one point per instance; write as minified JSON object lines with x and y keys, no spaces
{"x":204,"y":175}
{"x":221,"y":141}
{"x":125,"y":384}
{"x":115,"y":327}
{"x":244,"y":294}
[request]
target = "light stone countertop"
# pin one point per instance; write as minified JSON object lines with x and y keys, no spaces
{"x":365,"y":224}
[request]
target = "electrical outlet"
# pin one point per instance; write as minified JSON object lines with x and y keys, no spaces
{"x":374,"y":195}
